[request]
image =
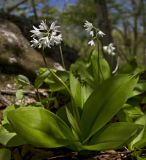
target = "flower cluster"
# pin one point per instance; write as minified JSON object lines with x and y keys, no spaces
{"x":93,"y":32}
{"x":45,"y":36}
{"x":109,"y":49}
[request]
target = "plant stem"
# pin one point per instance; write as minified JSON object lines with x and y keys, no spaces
{"x":38,"y":94}
{"x":59,"y":79}
{"x":44,"y":59}
{"x":61,"y":54}
{"x":99,"y":66}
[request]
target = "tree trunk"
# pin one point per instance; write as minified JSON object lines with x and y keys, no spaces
{"x":105,"y":25}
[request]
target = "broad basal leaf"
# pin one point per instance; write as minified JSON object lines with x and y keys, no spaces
{"x":113,"y":136}
{"x":105,"y":102}
{"x":40,"y":127}
{"x":10,"y":138}
{"x":140,"y":140}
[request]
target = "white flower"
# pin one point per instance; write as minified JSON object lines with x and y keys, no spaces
{"x":43,"y":26}
{"x":45,"y":36}
{"x":55,"y":39}
{"x":35,"y":43}
{"x":91,"y":33}
{"x":36,"y":32}
{"x":53,"y":27}
{"x":100,"y":33}
{"x":109,"y":49}
{"x":88,"y":26}
{"x":91,"y":43}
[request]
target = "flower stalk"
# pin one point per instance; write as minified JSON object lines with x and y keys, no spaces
{"x":62,"y":58}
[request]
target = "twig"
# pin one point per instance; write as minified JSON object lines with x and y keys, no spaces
{"x":13,"y":92}
{"x":15,"y":6}
{"x":69,"y":155}
{"x":42,"y":92}
{"x":4,"y":101}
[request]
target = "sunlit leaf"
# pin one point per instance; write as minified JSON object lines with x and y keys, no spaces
{"x":107,"y":100}
{"x":40,"y":127}
{"x":113,"y":136}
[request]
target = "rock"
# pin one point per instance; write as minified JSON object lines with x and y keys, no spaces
{"x":69,"y":54}
{"x":16,"y":55}
{"x":25,"y":24}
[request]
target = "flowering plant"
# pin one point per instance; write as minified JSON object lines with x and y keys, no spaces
{"x":95,"y":97}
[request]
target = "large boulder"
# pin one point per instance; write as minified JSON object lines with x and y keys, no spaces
{"x":18,"y":57}
{"x":16,"y":54}
{"x":25,"y":24}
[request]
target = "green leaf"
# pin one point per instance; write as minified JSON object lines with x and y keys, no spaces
{"x":8,"y":108}
{"x":99,"y":66}
{"x":113,"y":136}
{"x":140,"y":158}
{"x":9,"y":138}
{"x":80,"y":69}
{"x":61,"y":112}
{"x":105,"y":102}
{"x":75,"y":87}
{"x":80,"y":92}
{"x":40,"y":127}
{"x":140,"y":140}
{"x":44,"y":73}
{"x":5,"y":154}
{"x":19,"y":94}
{"x":73,"y":122}
{"x":58,"y":78}
{"x":23,"y":80}
{"x":130,"y":113}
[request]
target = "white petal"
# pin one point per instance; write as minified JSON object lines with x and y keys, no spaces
{"x":91,"y":43}
{"x":105,"y":48}
{"x":43,"y":26}
{"x":109,"y":49}
{"x":91,"y":33}
{"x":100,"y":33}
{"x":52,"y":25}
{"x":88,"y":26}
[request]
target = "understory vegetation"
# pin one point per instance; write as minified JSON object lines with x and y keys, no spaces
{"x":95,"y":106}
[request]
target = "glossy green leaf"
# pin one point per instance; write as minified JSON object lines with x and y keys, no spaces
{"x":80,"y":92}
{"x":100,"y":67}
{"x":9,"y":138}
{"x":7,"y":109}
{"x":5,"y":154}
{"x":113,"y":136}
{"x":73,"y":122}
{"x":140,"y":140}
{"x":44,"y":73}
{"x":59,"y":78}
{"x":61,"y":112}
{"x":23,"y":80}
{"x":75,"y":87}
{"x":130,"y":113}
{"x":107,"y":100}
{"x":40,"y":127}
{"x":19,"y":94}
